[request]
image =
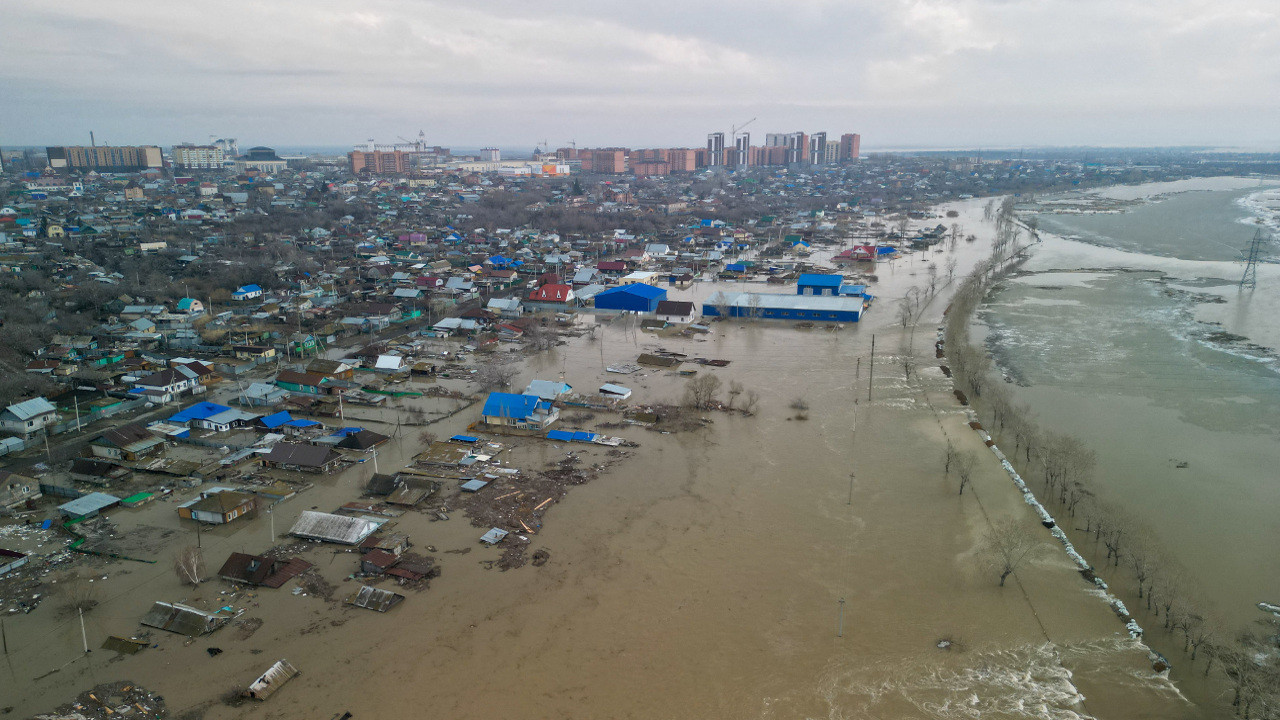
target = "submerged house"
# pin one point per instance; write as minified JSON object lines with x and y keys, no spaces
{"x":526,"y":412}
{"x":261,"y":570}
{"x":218,"y":506}
{"x":675,"y":311}
{"x":185,"y":620}
{"x":304,"y":458}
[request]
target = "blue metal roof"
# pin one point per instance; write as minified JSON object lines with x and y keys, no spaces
{"x":820,"y":280}
{"x":302,"y":423}
{"x":199,"y":411}
{"x":468,"y":439}
{"x":571,"y":435}
{"x":510,"y":405}
{"x":647,"y":292}
{"x":277,"y":419}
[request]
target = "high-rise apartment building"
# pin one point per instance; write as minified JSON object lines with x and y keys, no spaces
{"x":742,"y":149}
{"x":104,"y":157}
{"x":849,"y":143}
{"x":817,"y":148}
{"x":682,"y":160}
{"x":775,"y":140}
{"x":715,"y":149}
{"x":833,"y":152}
{"x":797,"y":148}
{"x":380,"y":162}
{"x":198,"y":157}
{"x":610,"y":161}
{"x":490,"y":155}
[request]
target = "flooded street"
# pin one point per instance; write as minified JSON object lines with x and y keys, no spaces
{"x":700,"y":577}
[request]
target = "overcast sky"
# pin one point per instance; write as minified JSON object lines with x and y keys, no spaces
{"x":903,"y":73}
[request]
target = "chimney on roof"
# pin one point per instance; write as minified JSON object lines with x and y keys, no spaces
{"x":92,"y":143}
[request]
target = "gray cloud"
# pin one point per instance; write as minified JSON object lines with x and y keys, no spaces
{"x":902,"y":72}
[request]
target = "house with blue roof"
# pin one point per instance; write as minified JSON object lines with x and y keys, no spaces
{"x":211,"y":416}
{"x":247,"y":292}
{"x":818,"y":284}
{"x":636,"y":297}
{"x":525,"y":412}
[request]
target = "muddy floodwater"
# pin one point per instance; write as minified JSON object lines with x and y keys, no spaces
{"x":702,"y":576}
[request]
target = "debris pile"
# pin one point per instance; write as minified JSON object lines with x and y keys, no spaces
{"x":109,"y":701}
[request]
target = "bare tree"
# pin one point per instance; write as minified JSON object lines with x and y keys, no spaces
{"x":949,"y":458}
{"x":1007,"y":546}
{"x":951,"y":262}
{"x":540,"y":337}
{"x":736,"y":388}
{"x":700,"y":392}
{"x":1142,"y":560}
{"x":494,"y":374}
{"x":189,"y":565}
{"x":79,"y":594}
{"x":964,"y":473}
{"x":751,"y":403}
{"x":904,"y":312}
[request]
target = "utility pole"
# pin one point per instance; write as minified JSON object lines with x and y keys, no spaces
{"x":840,"y":621}
{"x":871,"y":368}
{"x":84,"y":638}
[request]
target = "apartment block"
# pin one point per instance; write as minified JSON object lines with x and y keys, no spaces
{"x":123,"y":158}
{"x":198,"y":157}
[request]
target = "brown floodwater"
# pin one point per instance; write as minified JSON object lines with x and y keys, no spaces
{"x":700,"y":578}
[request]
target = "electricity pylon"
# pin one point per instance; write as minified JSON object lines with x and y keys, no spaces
{"x":1250,"y":279}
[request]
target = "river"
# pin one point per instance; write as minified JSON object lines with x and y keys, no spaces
{"x":1128,"y":329}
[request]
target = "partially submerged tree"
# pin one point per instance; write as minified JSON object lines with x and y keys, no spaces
{"x":964,"y":471}
{"x":1007,"y":546}
{"x":700,"y":392}
{"x":494,"y":374}
{"x":189,"y":565}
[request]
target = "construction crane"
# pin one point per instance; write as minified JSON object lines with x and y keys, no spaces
{"x":734,"y":130}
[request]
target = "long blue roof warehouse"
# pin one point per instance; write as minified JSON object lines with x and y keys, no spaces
{"x":636,"y":297}
{"x":813,"y":308}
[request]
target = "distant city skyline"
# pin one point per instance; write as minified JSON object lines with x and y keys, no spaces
{"x":903,"y":73}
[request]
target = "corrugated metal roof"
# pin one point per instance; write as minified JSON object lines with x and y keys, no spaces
{"x":34,"y":407}
{"x":91,"y":503}
{"x":333,"y":528}
{"x":184,"y":620}
{"x":372,"y":598}
{"x":270,"y":681}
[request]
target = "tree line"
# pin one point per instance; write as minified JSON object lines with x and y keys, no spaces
{"x":1067,"y":472}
